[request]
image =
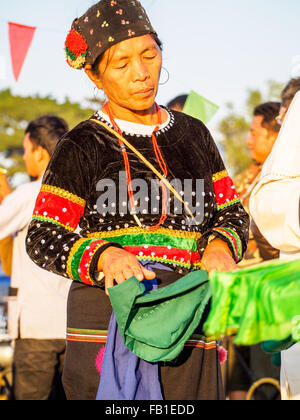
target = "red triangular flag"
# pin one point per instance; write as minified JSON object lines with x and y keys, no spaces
{"x":20,"y":38}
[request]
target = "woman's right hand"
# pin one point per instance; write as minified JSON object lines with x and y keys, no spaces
{"x":119,"y":265}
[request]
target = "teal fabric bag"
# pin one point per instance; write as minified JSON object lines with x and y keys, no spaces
{"x":156,"y":325}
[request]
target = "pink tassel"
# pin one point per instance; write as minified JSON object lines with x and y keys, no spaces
{"x":223,"y":355}
{"x":99,"y":359}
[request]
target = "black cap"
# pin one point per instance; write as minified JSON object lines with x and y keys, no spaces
{"x":102,"y":26}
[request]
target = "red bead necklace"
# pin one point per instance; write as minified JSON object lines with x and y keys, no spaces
{"x":160,"y":160}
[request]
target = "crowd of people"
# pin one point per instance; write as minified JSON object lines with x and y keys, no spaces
{"x":64,"y":251}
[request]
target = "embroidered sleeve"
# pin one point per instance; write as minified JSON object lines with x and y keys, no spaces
{"x":230,"y":221}
{"x":52,"y":241}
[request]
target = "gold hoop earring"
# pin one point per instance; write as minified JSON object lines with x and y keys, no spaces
{"x":168,"y":77}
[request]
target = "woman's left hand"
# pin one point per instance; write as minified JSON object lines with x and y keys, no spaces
{"x":217,"y":256}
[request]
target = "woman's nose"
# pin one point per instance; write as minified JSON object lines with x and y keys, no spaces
{"x":140,"y":71}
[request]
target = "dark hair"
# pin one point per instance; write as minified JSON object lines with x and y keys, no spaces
{"x":269,"y":110}
{"x":95,"y":66}
{"x":178,"y":101}
{"x":46,"y":131}
{"x":290,"y":91}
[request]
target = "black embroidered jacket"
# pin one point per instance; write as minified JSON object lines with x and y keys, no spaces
{"x":72,"y":197}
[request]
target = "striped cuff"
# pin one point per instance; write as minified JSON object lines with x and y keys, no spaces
{"x":80,"y":259}
{"x":233,"y":241}
{"x":83,"y":260}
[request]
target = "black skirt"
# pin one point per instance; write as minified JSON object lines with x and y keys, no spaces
{"x":194,"y":375}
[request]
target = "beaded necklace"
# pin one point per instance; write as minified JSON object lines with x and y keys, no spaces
{"x":160,"y":160}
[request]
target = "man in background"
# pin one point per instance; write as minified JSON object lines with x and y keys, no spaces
{"x":263,"y":134}
{"x":37,"y":306}
{"x":177,"y":104}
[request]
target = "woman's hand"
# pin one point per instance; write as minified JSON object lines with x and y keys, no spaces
{"x":119,"y":265}
{"x":218,"y":256}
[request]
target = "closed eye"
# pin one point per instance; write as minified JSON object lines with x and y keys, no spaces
{"x":122,"y":67}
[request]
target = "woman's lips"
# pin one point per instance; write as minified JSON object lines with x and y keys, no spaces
{"x":145,"y":92}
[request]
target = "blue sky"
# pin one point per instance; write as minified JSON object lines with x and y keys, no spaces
{"x":219,"y":48}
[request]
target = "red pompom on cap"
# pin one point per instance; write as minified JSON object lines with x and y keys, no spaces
{"x":76,"y":49}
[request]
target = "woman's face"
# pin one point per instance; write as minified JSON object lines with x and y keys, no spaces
{"x":129,"y":73}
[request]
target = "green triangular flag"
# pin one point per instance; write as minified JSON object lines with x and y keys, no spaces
{"x":198,"y":107}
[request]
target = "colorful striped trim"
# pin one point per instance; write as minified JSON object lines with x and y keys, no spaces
{"x":170,"y":247}
{"x":73,"y":252}
{"x":63,"y":194}
{"x":197,"y":265}
{"x":228,"y":204}
{"x":234,"y":239}
{"x":136,"y":230}
{"x":54,"y":222}
{"x":80,"y":258}
{"x":220,"y":175}
{"x":58,"y":210}
{"x":167,"y":255}
{"x":150,"y":240}
{"x":86,"y":336}
{"x":201,"y":344}
{"x":95,"y":336}
{"x":86,"y":260}
{"x":226,"y":194}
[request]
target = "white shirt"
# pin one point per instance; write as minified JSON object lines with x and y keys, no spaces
{"x":39,"y":312}
{"x":274,"y":203}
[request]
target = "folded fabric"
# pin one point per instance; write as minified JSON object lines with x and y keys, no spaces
{"x":259,"y":303}
{"x":155,"y":325}
{"x":125,"y":377}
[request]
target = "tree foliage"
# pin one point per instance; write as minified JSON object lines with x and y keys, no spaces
{"x":17,"y":111}
{"x":234,"y":128}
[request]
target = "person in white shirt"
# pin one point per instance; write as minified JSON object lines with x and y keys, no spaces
{"x":37,"y":314}
{"x":275,"y":206}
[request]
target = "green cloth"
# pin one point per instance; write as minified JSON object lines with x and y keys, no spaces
{"x":156,"y":325}
{"x":261,"y":303}
{"x":198,"y":107}
{"x":276,"y":359}
{"x":272,"y":347}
